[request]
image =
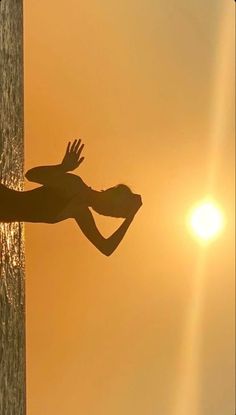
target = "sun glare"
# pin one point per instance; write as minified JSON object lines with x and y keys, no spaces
{"x":206,"y":221}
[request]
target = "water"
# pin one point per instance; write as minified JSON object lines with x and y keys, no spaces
{"x":12,"y":286}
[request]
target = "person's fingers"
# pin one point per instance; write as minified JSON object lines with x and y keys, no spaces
{"x":80,"y":160}
{"x":68,"y":147}
{"x":140,"y":202}
{"x":73,"y":146}
{"x":79,"y":150}
{"x":77,"y":145}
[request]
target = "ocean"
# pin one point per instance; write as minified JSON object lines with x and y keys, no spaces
{"x":12,"y":263}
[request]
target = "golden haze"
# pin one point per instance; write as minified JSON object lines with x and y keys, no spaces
{"x":136,"y":81}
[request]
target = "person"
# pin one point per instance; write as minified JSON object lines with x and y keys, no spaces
{"x":64,"y":195}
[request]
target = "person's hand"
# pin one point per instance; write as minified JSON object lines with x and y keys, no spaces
{"x":136,"y":205}
{"x":72,"y":158}
{"x":138,"y":201}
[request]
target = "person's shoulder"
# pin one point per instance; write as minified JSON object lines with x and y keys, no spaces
{"x":76,"y":179}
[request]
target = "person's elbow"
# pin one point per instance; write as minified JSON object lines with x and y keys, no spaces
{"x":34,"y":176}
{"x":105,"y":249}
{"x":29,"y":175}
{"x":106,"y":252}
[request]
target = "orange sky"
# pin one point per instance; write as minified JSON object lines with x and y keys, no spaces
{"x":139,"y":82}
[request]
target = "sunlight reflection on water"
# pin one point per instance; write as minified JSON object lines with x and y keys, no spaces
{"x":12,"y":290}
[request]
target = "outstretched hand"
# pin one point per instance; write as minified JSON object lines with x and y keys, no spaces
{"x":72,"y":158}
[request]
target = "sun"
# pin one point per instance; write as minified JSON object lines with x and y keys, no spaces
{"x":206,"y":220}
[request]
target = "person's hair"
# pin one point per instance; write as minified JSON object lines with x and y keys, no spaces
{"x":119,"y":191}
{"x":115,"y":201}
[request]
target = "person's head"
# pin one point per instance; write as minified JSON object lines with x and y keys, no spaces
{"x":116,"y":201}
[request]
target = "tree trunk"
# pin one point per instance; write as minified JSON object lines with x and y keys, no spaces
{"x":12,"y":283}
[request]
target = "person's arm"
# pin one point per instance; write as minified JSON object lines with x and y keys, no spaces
{"x":45,"y":175}
{"x":49,"y":175}
{"x":87,"y":224}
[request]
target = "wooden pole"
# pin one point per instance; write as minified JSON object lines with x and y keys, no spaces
{"x":12,"y":281}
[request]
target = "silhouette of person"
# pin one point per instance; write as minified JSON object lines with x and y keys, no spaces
{"x":64,"y":195}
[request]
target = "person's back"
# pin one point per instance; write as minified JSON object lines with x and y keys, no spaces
{"x":38,"y":205}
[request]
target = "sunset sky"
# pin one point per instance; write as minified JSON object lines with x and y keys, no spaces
{"x":149,"y":87}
